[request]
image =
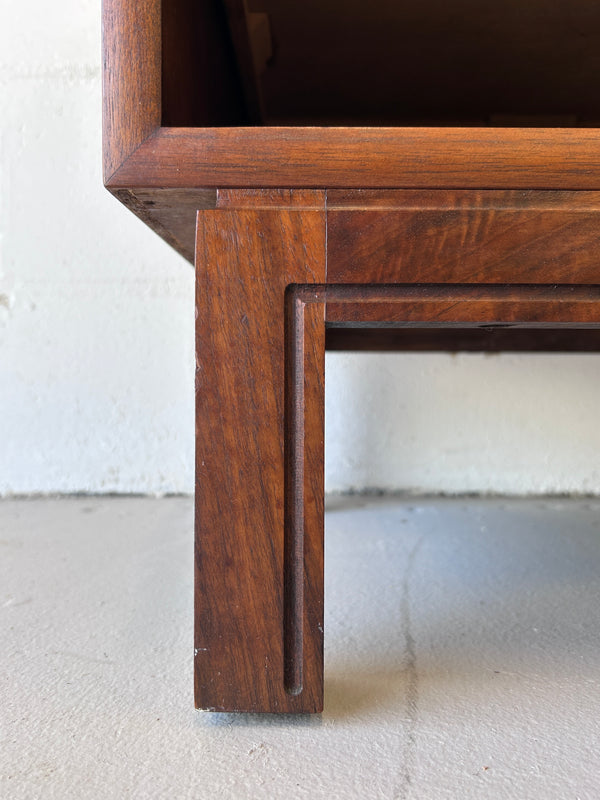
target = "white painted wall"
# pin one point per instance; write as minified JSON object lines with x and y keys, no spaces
{"x":96,"y":330}
{"x":514,"y":424}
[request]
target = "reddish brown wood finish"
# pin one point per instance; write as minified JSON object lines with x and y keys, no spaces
{"x":131,"y":77}
{"x":271,"y":198}
{"x":538,"y":158}
{"x":259,"y":557}
{"x":259,"y":550}
{"x":461,"y":200}
{"x":464,"y":237}
{"x":460,"y":306}
{"x":143,"y":154}
{"x":410,"y":215}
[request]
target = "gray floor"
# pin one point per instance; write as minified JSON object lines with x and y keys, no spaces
{"x":462,"y":657}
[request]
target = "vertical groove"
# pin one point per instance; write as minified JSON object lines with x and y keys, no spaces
{"x":293,"y":567}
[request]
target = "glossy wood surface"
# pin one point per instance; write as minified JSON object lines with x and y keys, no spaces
{"x":259,"y":509}
{"x":462,"y":305}
{"x":131,"y":44}
{"x":479,"y":199}
{"x":463,"y":237}
{"x":539,"y":158}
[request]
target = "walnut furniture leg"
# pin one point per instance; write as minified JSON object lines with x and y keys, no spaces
{"x":259,"y":511}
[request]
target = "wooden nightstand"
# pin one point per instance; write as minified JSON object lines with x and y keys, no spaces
{"x":250,"y":138}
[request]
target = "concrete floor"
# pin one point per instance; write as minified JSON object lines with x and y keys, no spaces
{"x":462,"y":657}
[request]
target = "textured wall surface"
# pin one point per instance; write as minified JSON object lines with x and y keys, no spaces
{"x":508,"y":423}
{"x":96,"y":330}
{"x":96,"y":312}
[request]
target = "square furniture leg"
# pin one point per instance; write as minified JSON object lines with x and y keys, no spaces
{"x":259,"y":421}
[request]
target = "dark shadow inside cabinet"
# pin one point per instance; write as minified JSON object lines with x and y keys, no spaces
{"x":518,"y":63}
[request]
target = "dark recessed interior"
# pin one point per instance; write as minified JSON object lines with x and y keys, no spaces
{"x":520,"y":63}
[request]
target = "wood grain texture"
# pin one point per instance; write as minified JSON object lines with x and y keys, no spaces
{"x":131,"y":74}
{"x":463,"y":237}
{"x":507,"y":158}
{"x":461,"y":306}
{"x":271,"y":198}
{"x":143,"y":149}
{"x":245,"y":260}
{"x":259,"y":495}
{"x":461,"y":200}
{"x":172,"y":214}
